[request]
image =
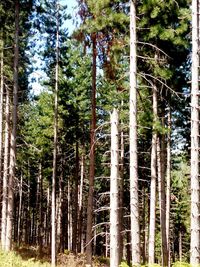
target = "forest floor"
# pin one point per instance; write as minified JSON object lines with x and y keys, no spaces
{"x":29,"y":257}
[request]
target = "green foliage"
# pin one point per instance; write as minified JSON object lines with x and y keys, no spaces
{"x":181,"y":264}
{"x":180,"y":205}
{"x":123,"y":264}
{"x":11,"y":259}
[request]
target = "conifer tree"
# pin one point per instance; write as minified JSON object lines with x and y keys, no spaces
{"x":134,"y":205}
{"x":9,"y":226}
{"x":195,"y":219}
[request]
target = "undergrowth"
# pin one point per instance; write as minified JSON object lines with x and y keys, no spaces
{"x":14,"y":259}
{"x":11,"y":259}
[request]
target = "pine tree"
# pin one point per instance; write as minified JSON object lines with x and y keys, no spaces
{"x":10,"y":207}
{"x":134,"y":208}
{"x":195,"y":220}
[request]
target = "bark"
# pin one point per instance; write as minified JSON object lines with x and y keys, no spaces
{"x":69,"y":215}
{"x":40,"y":217}
{"x":134,"y":207}
{"x":152,"y":220}
{"x":75,"y":202}
{"x":144,"y":223}
{"x":128,"y":247}
{"x":13,"y":134}
{"x":5,"y":170}
{"x":28,"y":217}
{"x":19,"y":211}
{"x":162,"y":205}
{"x":60,"y":215}
{"x":180,"y":246}
{"x":121,"y":195}
{"x":47,"y":228}
{"x":114,"y":191}
{"x":195,"y":198}
{"x":53,"y":199}
{"x":80,"y":205}
{"x":1,"y":128}
{"x":168,"y":190}
{"x":1,"y":108}
{"x":92,"y":159}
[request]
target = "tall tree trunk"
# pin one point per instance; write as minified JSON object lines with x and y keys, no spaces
{"x":13,"y":134}
{"x":1,"y":108}
{"x":47,"y":228}
{"x":121,"y":195}
{"x":53,"y":199}
{"x":19,"y":211}
{"x":1,"y":115}
{"x":80,"y":204}
{"x":152,"y":219}
{"x":134,"y":207}
{"x":180,"y":245}
{"x":28,"y":215}
{"x":195,"y":198}
{"x":60,"y":214}
{"x":114,"y":191}
{"x":92,"y":158}
{"x":75,"y":200}
{"x":144,"y":224}
{"x":39,"y":210}
{"x":69,"y":215}
{"x":162,"y":205}
{"x":5,"y":170}
{"x":168,"y":177}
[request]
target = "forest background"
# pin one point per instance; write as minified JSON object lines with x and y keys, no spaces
{"x":103,"y":161}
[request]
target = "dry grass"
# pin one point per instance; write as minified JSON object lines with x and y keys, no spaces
{"x":29,"y":256}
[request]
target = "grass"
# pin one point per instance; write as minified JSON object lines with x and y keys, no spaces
{"x":12,"y":259}
{"x":28,"y":257}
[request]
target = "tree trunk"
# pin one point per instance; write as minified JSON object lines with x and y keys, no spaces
{"x":60,"y":214}
{"x":162,"y":205}
{"x":168,"y":177}
{"x":53,"y":199}
{"x":28,"y":215}
{"x":134,"y":207}
{"x":92,"y":159}
{"x":195,"y":198}
{"x":80,"y":205}
{"x":19,"y":211}
{"x":75,"y":201}
{"x":180,"y":245}
{"x":5,"y":170}
{"x":121,"y":195}
{"x":144,"y":224}
{"x":114,"y":191}
{"x":1,"y":109}
{"x":39,"y":210}
{"x":13,"y":134}
{"x":152,"y":219}
{"x":47,"y":228}
{"x":69,"y":215}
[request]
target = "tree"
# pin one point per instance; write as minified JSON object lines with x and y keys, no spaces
{"x":152,"y":223}
{"x":1,"y":102}
{"x":53,"y":211}
{"x":92,"y":155}
{"x":9,"y":227}
{"x":134,"y":209}
{"x":195,"y":219}
{"x":114,"y":191}
{"x":5,"y":170}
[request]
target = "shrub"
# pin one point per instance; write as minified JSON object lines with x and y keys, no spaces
{"x":181,"y":264}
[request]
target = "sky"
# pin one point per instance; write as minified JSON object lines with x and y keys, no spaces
{"x":39,"y":74}
{"x":71,"y":4}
